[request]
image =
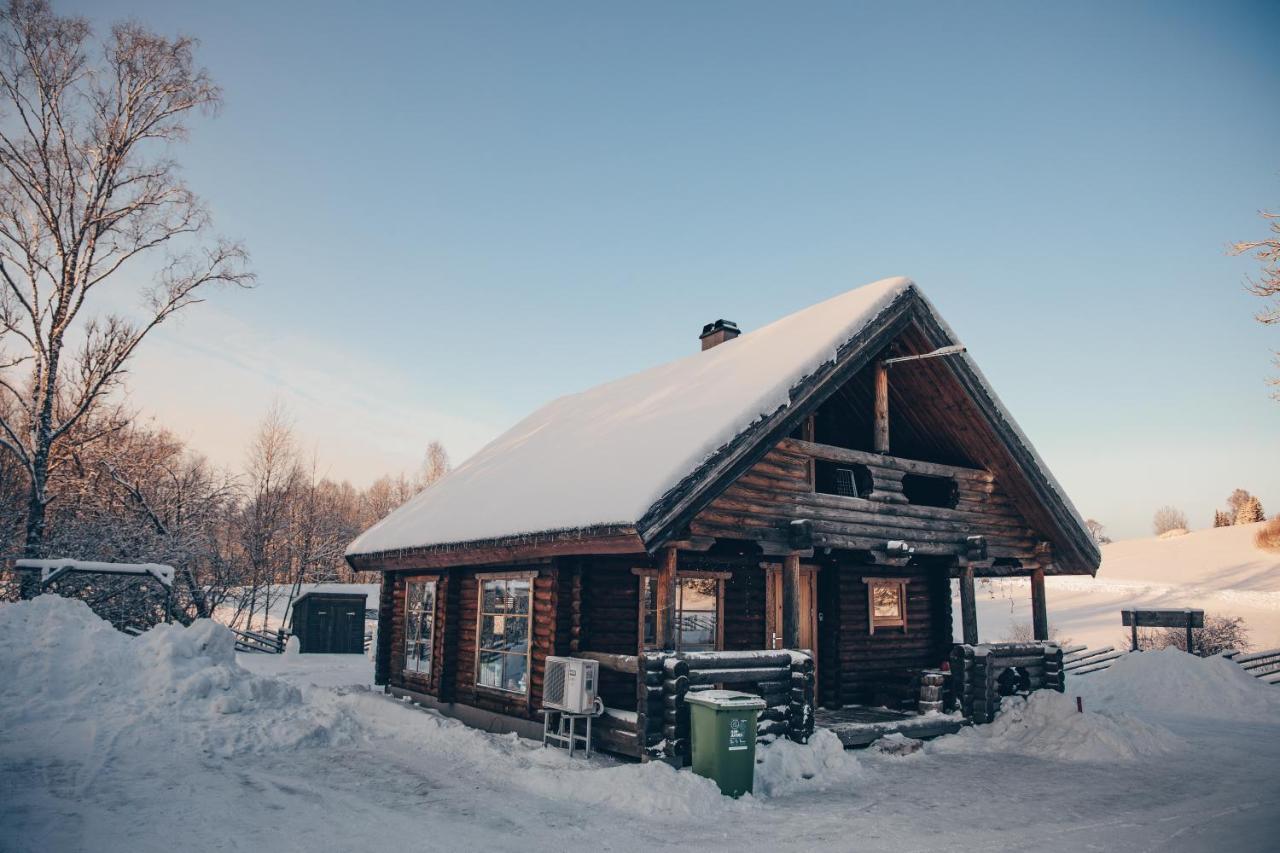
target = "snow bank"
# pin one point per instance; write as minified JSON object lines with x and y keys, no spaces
{"x":784,"y":767}
{"x":1047,"y":725}
{"x":77,"y":693}
{"x":65,"y":669}
{"x":1175,"y":684}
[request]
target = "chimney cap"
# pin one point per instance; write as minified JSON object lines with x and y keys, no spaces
{"x":720,"y":326}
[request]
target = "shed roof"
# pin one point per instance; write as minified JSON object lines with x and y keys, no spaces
{"x":612,"y":456}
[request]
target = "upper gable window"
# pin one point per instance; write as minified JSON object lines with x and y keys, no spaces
{"x":847,"y":479}
{"x":926,"y":490}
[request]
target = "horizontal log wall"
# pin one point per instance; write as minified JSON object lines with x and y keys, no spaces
{"x":883,"y":668}
{"x":610,"y":613}
{"x":761,"y":504}
{"x":542,"y":641}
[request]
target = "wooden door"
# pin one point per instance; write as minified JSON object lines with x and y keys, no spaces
{"x":808,"y":610}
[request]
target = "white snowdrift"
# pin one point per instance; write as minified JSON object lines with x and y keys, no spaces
{"x":77,"y":692}
{"x":1170,"y":683}
{"x":1047,"y":725}
{"x":65,"y":669}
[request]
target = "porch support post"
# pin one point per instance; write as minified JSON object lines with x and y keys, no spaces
{"x":882,"y":408}
{"x":968,"y":604}
{"x":791,"y":601}
{"x":667,"y":600}
{"x":1039,"y":607}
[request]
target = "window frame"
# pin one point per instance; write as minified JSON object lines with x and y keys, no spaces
{"x":691,"y":574}
{"x":433,"y":583}
{"x":873,"y":622}
{"x":490,"y":577}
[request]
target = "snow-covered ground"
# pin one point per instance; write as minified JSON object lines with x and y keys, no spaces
{"x":170,"y":741}
{"x":1220,"y":571}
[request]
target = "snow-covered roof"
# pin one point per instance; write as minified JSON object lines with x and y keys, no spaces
{"x":606,"y":455}
{"x":604,"y":458}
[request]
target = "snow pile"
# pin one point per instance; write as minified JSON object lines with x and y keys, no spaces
{"x":1172,"y":683}
{"x":1175,"y":532}
{"x":644,"y":790}
{"x":65,"y":668}
{"x":785,"y":767}
{"x":1046,"y":724}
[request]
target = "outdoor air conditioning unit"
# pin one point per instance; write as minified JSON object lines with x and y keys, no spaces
{"x":570,"y":685}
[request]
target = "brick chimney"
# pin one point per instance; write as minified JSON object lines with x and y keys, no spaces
{"x":714,"y":334}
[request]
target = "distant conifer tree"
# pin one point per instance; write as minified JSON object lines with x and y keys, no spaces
{"x":1250,"y":512}
{"x":1221,"y":519}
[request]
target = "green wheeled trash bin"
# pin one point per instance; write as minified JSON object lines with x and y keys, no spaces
{"x":722,"y":726}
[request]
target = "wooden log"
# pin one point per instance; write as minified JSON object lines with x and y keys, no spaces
{"x":666,"y":613}
{"x":736,"y":676}
{"x":791,"y":601}
{"x":738,"y":659}
{"x":1039,"y":606}
{"x":674,"y":667}
{"x":677,"y":686}
{"x":882,"y":408}
{"x":613,"y":662}
{"x":968,"y":605}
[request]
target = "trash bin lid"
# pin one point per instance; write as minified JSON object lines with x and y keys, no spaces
{"x":726,"y":700}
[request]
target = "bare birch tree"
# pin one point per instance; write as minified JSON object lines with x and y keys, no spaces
{"x":86,"y":191}
{"x":1267,"y":252}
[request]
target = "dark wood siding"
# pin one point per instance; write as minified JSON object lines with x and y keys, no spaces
{"x":881,"y":668}
{"x":610,"y":619}
{"x":542,"y":640}
{"x":761,"y":504}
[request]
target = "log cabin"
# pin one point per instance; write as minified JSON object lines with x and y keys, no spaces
{"x":818,"y":484}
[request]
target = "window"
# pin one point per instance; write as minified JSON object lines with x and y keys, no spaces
{"x":886,"y":603}
{"x":849,"y":480}
{"x":930,"y":491}
{"x":697,"y":621}
{"x":419,"y":625}
{"x":503,"y":649}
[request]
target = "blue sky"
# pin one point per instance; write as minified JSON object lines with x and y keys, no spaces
{"x":459,"y":211}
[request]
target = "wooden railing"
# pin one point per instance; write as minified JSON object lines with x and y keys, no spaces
{"x":658,"y":726}
{"x":256,"y":641}
{"x":1080,"y":660}
{"x":1264,"y":665}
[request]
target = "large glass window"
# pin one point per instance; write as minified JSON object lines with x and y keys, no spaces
{"x":503,"y":658}
{"x":419,"y":625}
{"x":697,"y":620}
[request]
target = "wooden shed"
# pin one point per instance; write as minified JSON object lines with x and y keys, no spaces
{"x":329,"y":622}
{"x":787,"y":509}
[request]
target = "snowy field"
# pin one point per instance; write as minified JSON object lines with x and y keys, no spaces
{"x":169,"y":741}
{"x":1220,"y":571}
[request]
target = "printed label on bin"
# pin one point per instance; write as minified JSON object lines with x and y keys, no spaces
{"x":738,"y":735}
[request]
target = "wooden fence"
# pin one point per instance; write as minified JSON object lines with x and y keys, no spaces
{"x":256,"y":641}
{"x":1264,"y":666}
{"x":658,"y":726}
{"x":1081,"y":660}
